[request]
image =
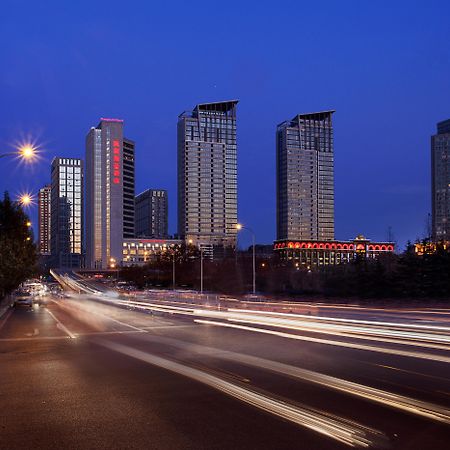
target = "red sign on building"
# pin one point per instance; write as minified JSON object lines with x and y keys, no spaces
{"x":116,"y":161}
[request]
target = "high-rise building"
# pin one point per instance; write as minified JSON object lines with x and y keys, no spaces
{"x":109,"y":193}
{"x":305,"y":177}
{"x":207,"y":175}
{"x":44,"y":208}
{"x":440,"y":182}
{"x":151,"y":210}
{"x":66,"y":212}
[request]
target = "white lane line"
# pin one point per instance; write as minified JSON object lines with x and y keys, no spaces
{"x":61,"y":326}
{"x":40,"y":338}
{"x":419,"y":355}
{"x":347,"y":432}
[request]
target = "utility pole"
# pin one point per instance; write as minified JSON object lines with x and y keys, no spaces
{"x":173,"y":269}
{"x":201,"y":270}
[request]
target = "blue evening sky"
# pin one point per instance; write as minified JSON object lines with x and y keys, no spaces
{"x":384,"y":67}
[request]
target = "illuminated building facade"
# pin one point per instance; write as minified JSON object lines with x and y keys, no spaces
{"x":313,"y":253}
{"x":140,"y":251}
{"x":207,"y":175}
{"x":428,"y":248}
{"x":151,"y":213}
{"x":44,"y":208}
{"x":66,"y":224}
{"x":440,"y":182}
{"x":305,"y":177}
{"x":109,"y":193}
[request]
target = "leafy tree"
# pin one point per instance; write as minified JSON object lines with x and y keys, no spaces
{"x":17,"y":251}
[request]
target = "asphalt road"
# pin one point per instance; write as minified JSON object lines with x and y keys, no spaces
{"x":79,"y":373}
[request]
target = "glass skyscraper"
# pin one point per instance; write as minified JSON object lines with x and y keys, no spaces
{"x":440,"y":182}
{"x":109,"y":193}
{"x":305,"y":177}
{"x":66,"y":212}
{"x":207,"y":175}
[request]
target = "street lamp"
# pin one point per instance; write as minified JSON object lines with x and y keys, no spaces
{"x":201,"y":270}
{"x":240,"y":227}
{"x":173,"y":269}
{"x":26,"y":152}
{"x":26,"y":200}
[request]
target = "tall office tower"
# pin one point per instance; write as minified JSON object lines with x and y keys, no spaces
{"x":207,"y":175}
{"x":66,"y":212}
{"x":44,"y":202}
{"x":109,"y":193}
{"x":305,"y":177}
{"x":440,"y":182}
{"x":151,"y":209}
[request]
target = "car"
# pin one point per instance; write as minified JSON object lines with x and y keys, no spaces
{"x":24,"y":299}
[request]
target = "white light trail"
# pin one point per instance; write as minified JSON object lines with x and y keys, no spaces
{"x":386,"y":398}
{"x":334,"y":427}
{"x":419,"y":355}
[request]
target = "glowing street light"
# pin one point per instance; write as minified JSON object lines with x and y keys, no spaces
{"x":26,"y":200}
{"x":25,"y":152}
{"x":28,"y":224}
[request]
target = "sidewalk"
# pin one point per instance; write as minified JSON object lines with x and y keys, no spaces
{"x":5,"y":304}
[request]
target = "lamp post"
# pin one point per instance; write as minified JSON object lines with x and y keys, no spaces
{"x":201,"y":270}
{"x":26,"y":153}
{"x":241,"y":227}
{"x":173,"y":269}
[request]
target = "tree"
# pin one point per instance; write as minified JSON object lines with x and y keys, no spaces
{"x":18,"y":254}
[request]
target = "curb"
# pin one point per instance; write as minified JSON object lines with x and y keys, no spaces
{"x":5,"y":305}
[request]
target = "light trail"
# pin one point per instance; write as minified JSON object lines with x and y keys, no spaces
{"x":299,"y":337}
{"x":338,"y":319}
{"x":412,"y":335}
{"x":386,"y":398}
{"x":386,"y":336}
{"x":334,"y":427}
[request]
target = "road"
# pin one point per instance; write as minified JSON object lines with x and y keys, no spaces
{"x":173,"y":373}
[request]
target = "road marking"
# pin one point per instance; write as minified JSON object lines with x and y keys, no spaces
{"x":411,"y":372}
{"x":338,"y":428}
{"x":35,"y":333}
{"x":62,"y":326}
{"x":40,"y":338}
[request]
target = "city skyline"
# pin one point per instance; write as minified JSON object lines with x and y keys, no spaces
{"x":128,"y":168}
{"x":388,"y":99}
